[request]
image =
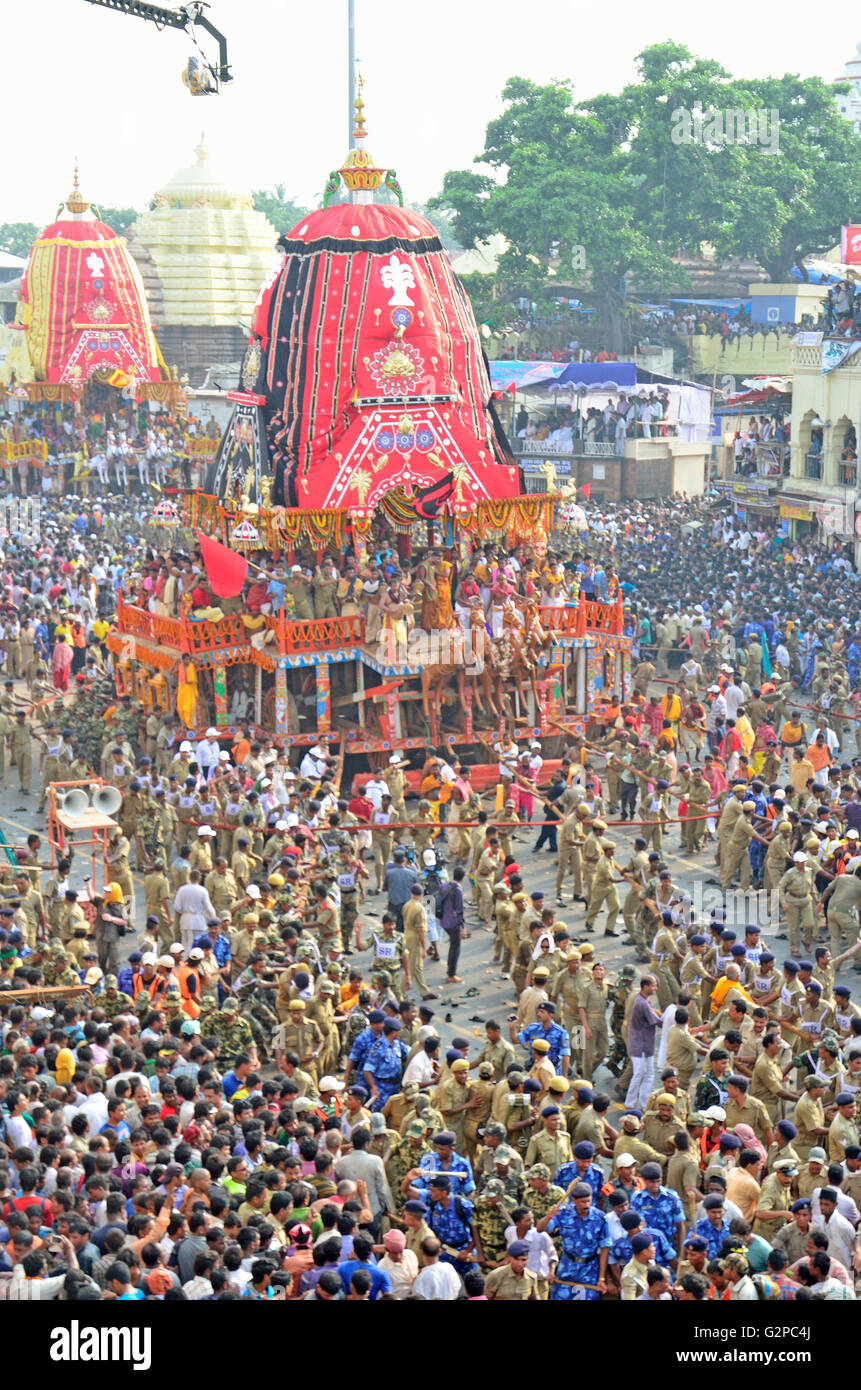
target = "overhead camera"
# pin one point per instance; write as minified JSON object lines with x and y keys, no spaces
{"x":198,"y":79}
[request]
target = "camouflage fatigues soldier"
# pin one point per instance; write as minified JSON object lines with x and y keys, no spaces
{"x":258,"y":1008}
{"x":114,"y":1001}
{"x":410,"y":1149}
{"x":491,"y":1217}
{"x":232,"y":1032}
{"x":538,"y":1202}
{"x":150,"y":833}
{"x":618,"y":997}
{"x":63,"y":972}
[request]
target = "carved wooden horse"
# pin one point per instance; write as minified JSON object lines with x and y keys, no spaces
{"x":434,"y":679}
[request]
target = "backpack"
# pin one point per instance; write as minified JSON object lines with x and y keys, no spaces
{"x":767,"y":1289}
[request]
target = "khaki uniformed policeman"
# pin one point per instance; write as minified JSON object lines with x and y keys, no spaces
{"x":796,"y":891}
{"x":604,"y":892}
{"x":21,"y":749}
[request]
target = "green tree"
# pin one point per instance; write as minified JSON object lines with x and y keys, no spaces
{"x":793,"y":203}
{"x":627,"y":177}
{"x":560,"y":183}
{"x":283,"y":212}
{"x":118,"y":219}
{"x":16,"y":238}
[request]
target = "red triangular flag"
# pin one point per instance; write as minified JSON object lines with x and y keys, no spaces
{"x":512,"y":388}
{"x":586,"y":490}
{"x":225,"y":570}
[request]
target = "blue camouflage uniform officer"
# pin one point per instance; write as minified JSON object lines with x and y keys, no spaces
{"x":451,"y":1219}
{"x":714,"y":1226}
{"x":553,"y":1033}
{"x":581,"y":1274}
{"x":443,"y":1161}
{"x":582,"y":1169}
{"x":631,"y":1223}
{"x":384,"y":1063}
{"x":660,"y":1207}
{"x":364,"y":1042}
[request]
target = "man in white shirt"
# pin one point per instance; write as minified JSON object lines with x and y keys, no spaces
{"x":542,"y":1258}
{"x":399,"y":1263}
{"x":422,"y":1068}
{"x":207,"y":753}
{"x":506,"y":751}
{"x":316,"y":761}
{"x":842,"y":1240}
{"x":95,"y":1107}
{"x":436,"y":1281}
{"x":733,"y":697}
{"x":375,"y":790}
{"x":18,"y":1133}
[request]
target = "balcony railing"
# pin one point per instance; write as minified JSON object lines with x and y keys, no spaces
{"x":813,"y":467}
{"x":848,"y":474}
{"x":195,"y":636}
{"x":578,"y":620}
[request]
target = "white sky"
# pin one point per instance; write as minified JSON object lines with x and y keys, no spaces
{"x":82,"y":80}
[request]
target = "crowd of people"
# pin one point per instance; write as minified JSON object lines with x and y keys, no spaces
{"x":645,"y":415}
{"x":115,"y":451}
{"x":256,"y":1101}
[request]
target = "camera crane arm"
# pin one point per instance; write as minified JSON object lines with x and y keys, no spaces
{"x":185,"y":17}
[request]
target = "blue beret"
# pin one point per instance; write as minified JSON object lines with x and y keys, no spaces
{"x":790,"y":967}
{"x":440,"y":1180}
{"x":713,"y":1201}
{"x":445,"y":1136}
{"x":737,"y":949}
{"x":697,"y":1243}
{"x":518,"y":1249}
{"x":698,"y":940}
{"x":415,"y":1207}
{"x":549,"y":1110}
{"x":360,"y":1091}
{"x":392,"y":1025}
{"x":585,"y":1148}
{"x":727,"y":934}
{"x":530,"y":1084}
{"x":787,"y":1129}
{"x":805,"y":965}
{"x":766,"y":957}
{"x":815,"y":986}
{"x":548,"y":1005}
{"x":752,"y":927}
{"x":135,"y":956}
{"x":845,"y":1098}
{"x":585,"y":1094}
{"x":663,"y":783}
{"x":803,"y":1204}
{"x":650,"y":1171}
{"x":376,"y":1016}
{"x":641,"y":1242}
{"x":842,"y":990}
{"x":730,"y":1141}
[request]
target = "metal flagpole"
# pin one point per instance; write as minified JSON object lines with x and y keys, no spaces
{"x":351,"y":78}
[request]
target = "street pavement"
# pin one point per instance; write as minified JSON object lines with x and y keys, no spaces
{"x":457,"y":1012}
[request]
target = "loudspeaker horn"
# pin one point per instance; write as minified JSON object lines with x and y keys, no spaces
{"x":107,"y":800}
{"x":74,"y":802}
